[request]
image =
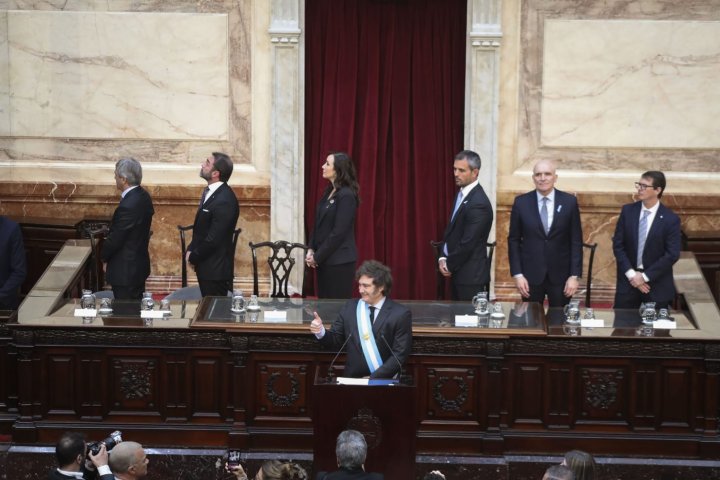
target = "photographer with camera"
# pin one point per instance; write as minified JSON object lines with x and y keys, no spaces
{"x":128,"y":461}
{"x":75,"y":462}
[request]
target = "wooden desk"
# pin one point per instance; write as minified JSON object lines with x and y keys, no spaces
{"x":211,"y":378}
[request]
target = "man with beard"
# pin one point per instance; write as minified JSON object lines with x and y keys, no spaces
{"x":211,"y":251}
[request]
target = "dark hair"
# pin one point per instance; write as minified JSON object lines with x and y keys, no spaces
{"x":350,"y":449}
{"x":345,"y":175}
{"x":559,"y":472}
{"x":581,"y":463}
{"x":223,"y":165}
{"x":658,"y":179}
{"x":129,"y":169}
{"x":472,"y":158}
{"x":277,"y":470}
{"x":379,"y":273}
{"x":70,"y":445}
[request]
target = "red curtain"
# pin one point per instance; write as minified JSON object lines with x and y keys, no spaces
{"x":386,"y":83}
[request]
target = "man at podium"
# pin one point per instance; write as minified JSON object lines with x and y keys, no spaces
{"x":376,"y":330}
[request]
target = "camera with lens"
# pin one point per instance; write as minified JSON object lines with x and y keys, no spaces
{"x":113,"y":439}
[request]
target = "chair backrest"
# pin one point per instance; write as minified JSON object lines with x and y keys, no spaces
{"x":183,"y":250}
{"x":440,"y":278}
{"x":96,"y":236}
{"x":588,"y":275}
{"x":281,"y":264}
{"x":490,"y":252}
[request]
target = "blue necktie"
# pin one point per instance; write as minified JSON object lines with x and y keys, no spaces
{"x":642,"y":236}
{"x":458,"y":202}
{"x":544,"y":215}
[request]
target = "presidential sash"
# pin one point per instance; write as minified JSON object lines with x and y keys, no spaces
{"x":367,"y":339}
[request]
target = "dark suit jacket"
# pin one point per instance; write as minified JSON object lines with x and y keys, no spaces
{"x":333,"y":236}
{"x":346,"y":474}
{"x":662,"y":249}
{"x":55,"y":475}
{"x":556,"y":255}
{"x":211,"y":248}
{"x":466,"y":239}
{"x":13,"y":267}
{"x":393,"y":321}
{"x":125,"y":249}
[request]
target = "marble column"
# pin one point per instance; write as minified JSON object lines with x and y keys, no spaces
{"x":287,"y":122}
{"x":482,"y":78}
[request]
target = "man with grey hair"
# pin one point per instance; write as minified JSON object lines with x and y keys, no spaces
{"x":125,"y":250}
{"x":558,"y":472}
{"x":128,"y":461}
{"x":350,"y":451}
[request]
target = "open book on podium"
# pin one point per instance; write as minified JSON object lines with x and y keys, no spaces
{"x":382,"y":410}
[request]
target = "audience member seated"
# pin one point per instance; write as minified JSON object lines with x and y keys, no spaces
{"x":128,"y":461}
{"x":350,"y":451}
{"x":581,"y":463}
{"x":434,"y":475}
{"x":272,"y":470}
{"x":558,"y":472}
{"x":73,"y":458}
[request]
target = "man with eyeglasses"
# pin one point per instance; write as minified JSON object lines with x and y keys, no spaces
{"x":646,"y":244}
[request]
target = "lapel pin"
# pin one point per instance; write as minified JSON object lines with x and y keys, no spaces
{"x":559,"y":208}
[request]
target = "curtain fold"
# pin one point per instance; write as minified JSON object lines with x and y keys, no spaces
{"x":385,"y":81}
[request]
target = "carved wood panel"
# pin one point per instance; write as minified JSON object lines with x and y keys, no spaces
{"x":450,"y":393}
{"x":282,"y":389}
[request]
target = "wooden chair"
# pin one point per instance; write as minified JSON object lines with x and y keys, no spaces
{"x":281,"y":264}
{"x":588,"y":276}
{"x":440,"y":278}
{"x":193,"y":293}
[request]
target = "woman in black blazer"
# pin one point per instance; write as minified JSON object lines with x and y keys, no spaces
{"x":332,"y":242}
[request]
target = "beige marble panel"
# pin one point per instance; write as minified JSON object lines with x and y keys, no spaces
{"x":167,"y":161}
{"x":603,"y":163}
{"x":631,"y":83}
{"x":4,"y":76}
{"x":110,"y":75}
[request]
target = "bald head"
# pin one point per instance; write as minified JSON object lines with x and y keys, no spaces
{"x":128,"y":460}
{"x":544,"y":176}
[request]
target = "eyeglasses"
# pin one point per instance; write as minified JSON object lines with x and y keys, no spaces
{"x":643,"y":186}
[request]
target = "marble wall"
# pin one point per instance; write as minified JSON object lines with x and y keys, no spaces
{"x":83,"y":83}
{"x":609,"y":90}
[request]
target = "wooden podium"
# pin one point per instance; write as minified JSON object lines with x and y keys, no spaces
{"x":385,"y":414}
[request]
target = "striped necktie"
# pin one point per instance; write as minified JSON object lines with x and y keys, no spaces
{"x":642,"y":236}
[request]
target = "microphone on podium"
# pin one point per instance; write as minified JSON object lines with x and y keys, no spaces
{"x":330,"y":375}
{"x":382,"y":335}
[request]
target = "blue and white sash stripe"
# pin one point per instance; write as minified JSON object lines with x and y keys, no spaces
{"x":367,"y":339}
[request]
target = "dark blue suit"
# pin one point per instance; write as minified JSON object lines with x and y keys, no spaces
{"x":211,"y":249}
{"x":125,"y":250}
{"x":13,"y":267}
{"x":662,"y":249}
{"x":466,"y":238}
{"x":393,"y":321}
{"x":546,"y":260}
